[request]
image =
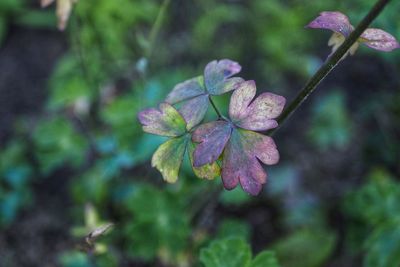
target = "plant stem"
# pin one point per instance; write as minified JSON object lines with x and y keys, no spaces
{"x":331,"y":63}
{"x":156,"y":28}
{"x":215,"y":107}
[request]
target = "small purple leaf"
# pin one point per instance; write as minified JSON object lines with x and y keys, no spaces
{"x":260,"y":114}
{"x":186,"y":90}
{"x":217,"y":76}
{"x":332,"y":20}
{"x":168,"y":158}
{"x":165,"y":121}
{"x":193,"y":110}
{"x":379,"y":40}
{"x":212,"y":137}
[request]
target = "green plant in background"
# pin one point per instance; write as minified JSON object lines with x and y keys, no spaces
{"x":330,"y":123}
{"x":161,"y":226}
{"x":235,"y":252}
{"x":58,"y":143}
{"x":375,"y":207}
{"x":15,"y":178}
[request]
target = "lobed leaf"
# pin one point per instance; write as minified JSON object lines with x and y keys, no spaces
{"x":194,"y":110}
{"x":168,"y":158}
{"x":186,"y":90}
{"x":260,"y":114}
{"x":212,"y":137}
{"x":165,"y":121}
{"x":235,"y":252}
{"x":379,"y":40}
{"x":334,"y":21}
{"x":240,"y":160}
{"x":265,"y":259}
{"x":229,"y":252}
{"x":217,"y":76}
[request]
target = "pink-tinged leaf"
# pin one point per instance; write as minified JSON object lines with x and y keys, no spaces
{"x":217,"y":76}
{"x":240,"y":160}
{"x":334,"y":21}
{"x":258,"y":115}
{"x":379,"y":40}
{"x":165,"y":121}
{"x":212,"y":137}
{"x":168,"y":158}
{"x":208,"y":171}
{"x":186,"y":90}
{"x":194,"y":110}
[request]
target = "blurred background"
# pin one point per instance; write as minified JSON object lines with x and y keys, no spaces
{"x":73,"y":156}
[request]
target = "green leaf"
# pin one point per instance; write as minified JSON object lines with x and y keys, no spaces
{"x":234,"y":252}
{"x":161,"y":224}
{"x":305,"y":248}
{"x":229,"y":252}
{"x":383,"y":246}
{"x":231,"y":228}
{"x":168,"y":158}
{"x":265,"y":259}
{"x":57,"y":143}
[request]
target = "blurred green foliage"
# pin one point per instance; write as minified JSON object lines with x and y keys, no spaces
{"x":235,"y":252}
{"x":15,"y":177}
{"x":111,"y":70}
{"x":331,"y":126}
{"x":375,"y":207}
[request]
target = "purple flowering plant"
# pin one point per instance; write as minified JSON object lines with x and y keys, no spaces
{"x":233,"y":147}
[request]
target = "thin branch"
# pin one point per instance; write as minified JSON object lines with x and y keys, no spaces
{"x":215,"y":108}
{"x":156,"y":28}
{"x":331,"y":63}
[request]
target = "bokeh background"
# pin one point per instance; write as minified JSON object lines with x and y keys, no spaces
{"x":73,"y":155}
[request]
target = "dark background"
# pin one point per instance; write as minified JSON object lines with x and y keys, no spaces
{"x":72,"y":148}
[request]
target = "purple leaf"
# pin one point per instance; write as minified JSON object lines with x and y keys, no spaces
{"x":258,"y":115}
{"x":217,"y":76}
{"x":240,"y":160}
{"x":334,"y":21}
{"x":165,"y":121}
{"x":212,"y":137}
{"x":193,"y":110}
{"x":208,"y":171}
{"x":193,"y":98}
{"x":186,"y":90}
{"x":379,"y":40}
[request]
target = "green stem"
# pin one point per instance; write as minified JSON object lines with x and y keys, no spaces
{"x":215,"y":108}
{"x":331,"y":63}
{"x":156,"y":28}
